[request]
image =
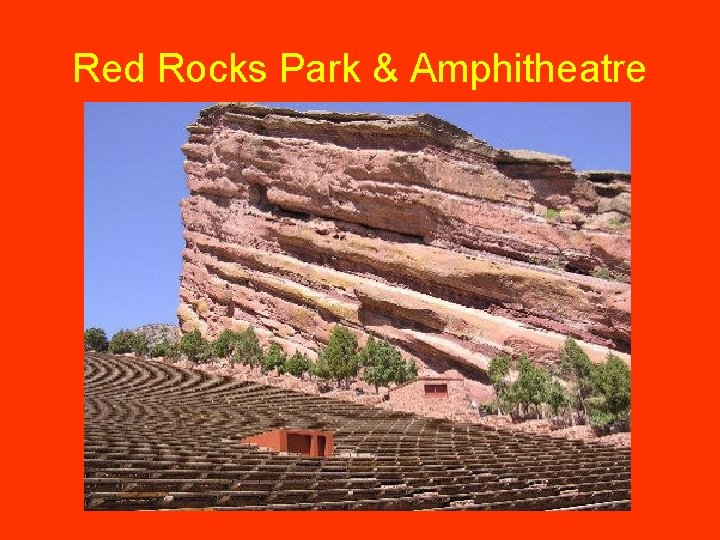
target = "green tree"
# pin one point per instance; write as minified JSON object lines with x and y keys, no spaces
{"x":409,"y":372}
{"x":320,"y":369}
{"x":340,"y":354}
{"x":366,"y":357}
{"x":165,"y":349}
{"x":224,"y":344}
{"x":296,"y":365}
{"x":174,"y":349}
{"x":96,"y":340}
{"x":159,"y":349}
{"x":139,"y":344}
{"x":498,"y":370}
{"x":511,"y":399}
{"x":610,"y":402}
{"x":122,"y":342}
{"x":274,"y":359}
{"x":530,"y":388}
{"x":576,"y":367}
{"x":194,"y":346}
{"x":374,"y":375}
{"x":614,"y":385}
{"x":247,"y":348}
{"x":383,"y":364}
{"x":599,"y":416}
{"x":557,"y":398}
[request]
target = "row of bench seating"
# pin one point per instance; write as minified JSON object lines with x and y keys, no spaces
{"x":159,"y":437}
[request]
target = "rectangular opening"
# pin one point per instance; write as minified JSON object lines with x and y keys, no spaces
{"x":321,"y":445}
{"x":299,"y":444}
{"x":436,"y":389}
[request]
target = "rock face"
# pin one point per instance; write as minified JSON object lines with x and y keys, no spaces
{"x":155,"y":333}
{"x":404,"y":227}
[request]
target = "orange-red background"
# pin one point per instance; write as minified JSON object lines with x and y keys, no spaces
{"x":674,"y":188}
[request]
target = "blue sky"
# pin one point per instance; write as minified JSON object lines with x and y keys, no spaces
{"x":134,"y":182}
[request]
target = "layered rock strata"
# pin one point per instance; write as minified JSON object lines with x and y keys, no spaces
{"x":404,"y":227}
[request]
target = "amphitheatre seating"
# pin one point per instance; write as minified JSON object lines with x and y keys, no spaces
{"x":163,"y":438}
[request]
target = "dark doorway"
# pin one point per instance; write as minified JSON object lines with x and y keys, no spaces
{"x":299,"y":444}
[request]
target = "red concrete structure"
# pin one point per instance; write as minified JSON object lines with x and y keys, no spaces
{"x":308,"y":442}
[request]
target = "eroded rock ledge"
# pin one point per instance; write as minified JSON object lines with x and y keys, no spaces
{"x":404,"y":227}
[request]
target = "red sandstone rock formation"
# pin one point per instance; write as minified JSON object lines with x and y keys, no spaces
{"x":404,"y":227}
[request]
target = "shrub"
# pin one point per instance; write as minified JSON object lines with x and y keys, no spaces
{"x":247,"y":348}
{"x":296,"y":365}
{"x":601,"y":272}
{"x":274,"y":359}
{"x":194,"y":346}
{"x":551,"y":213}
{"x":96,"y":340}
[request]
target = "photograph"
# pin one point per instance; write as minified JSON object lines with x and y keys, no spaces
{"x":357,"y":306}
